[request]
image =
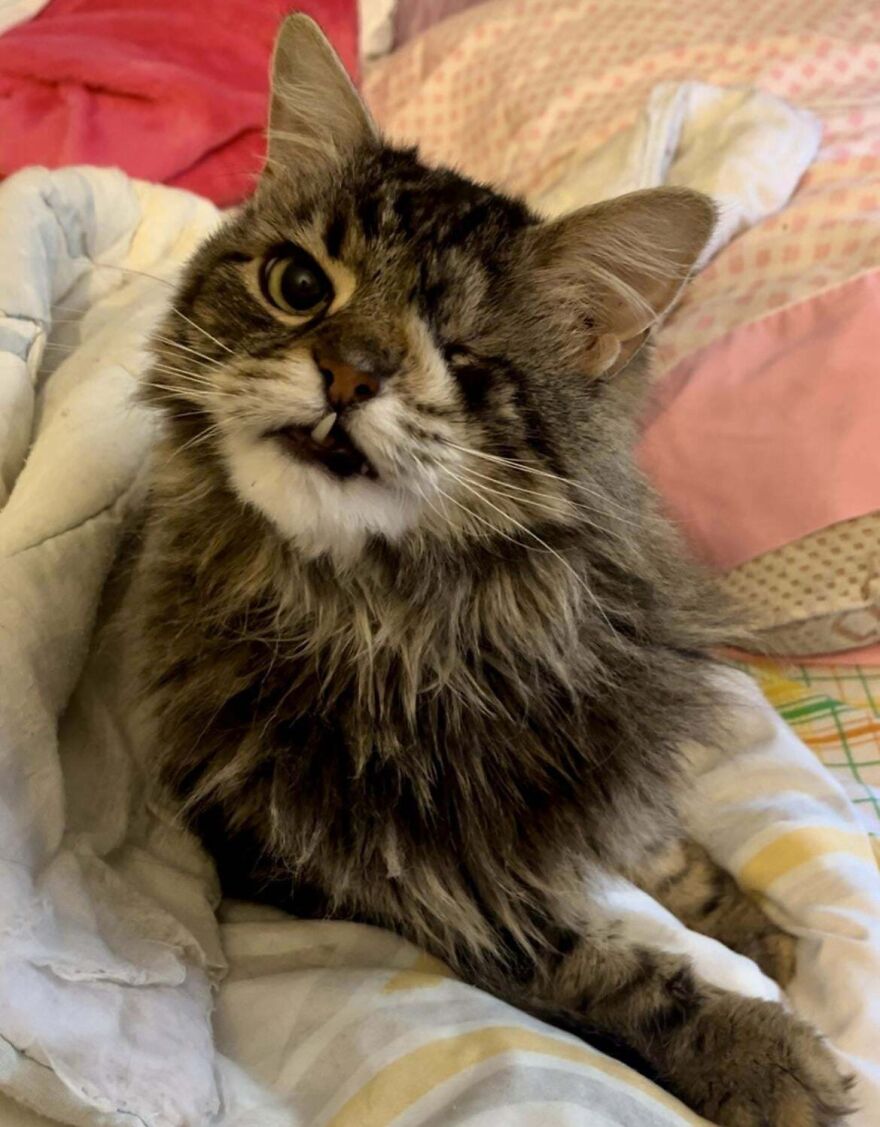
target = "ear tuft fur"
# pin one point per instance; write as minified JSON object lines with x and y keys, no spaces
{"x":316,"y":116}
{"x":623,"y":263}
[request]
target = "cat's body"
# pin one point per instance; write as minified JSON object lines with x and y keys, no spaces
{"x":465,"y":717}
{"x":429,"y":660}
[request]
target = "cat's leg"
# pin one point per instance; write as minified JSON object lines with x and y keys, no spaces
{"x":706,"y":898}
{"x":737,"y":1061}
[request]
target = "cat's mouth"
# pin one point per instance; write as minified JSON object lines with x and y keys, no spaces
{"x":328,"y":445}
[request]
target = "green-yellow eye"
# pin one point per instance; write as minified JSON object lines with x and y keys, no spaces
{"x":294,"y":283}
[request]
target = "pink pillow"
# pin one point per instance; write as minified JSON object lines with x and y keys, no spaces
{"x":412,"y":17}
{"x":773,"y":431}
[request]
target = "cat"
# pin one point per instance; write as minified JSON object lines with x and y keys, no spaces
{"x":421,"y":649}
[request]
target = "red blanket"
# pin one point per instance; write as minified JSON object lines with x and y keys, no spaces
{"x":168,"y":90}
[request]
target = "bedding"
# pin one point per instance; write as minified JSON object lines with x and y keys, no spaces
{"x":817,"y":595}
{"x":111,"y":956}
{"x":835,"y":710}
{"x":766,"y":377}
{"x":168,"y":91}
{"x":412,"y":17}
{"x":14,"y":12}
{"x":376,"y":25}
{"x":386,"y":24}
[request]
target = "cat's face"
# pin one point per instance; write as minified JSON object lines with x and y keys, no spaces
{"x":372,"y":348}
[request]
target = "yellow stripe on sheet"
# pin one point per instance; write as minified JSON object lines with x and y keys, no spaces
{"x":777,"y":688}
{"x":425,"y":971}
{"x":797,"y":847}
{"x":400,"y":1084}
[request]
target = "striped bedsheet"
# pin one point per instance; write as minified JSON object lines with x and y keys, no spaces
{"x":373,"y":1032}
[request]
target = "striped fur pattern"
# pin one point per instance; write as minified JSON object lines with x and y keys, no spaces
{"x":442,"y":696}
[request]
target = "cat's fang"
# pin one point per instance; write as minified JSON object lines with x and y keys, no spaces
{"x":333,"y":450}
{"x":324,"y":427}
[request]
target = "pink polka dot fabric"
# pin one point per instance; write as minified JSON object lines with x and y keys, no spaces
{"x":517,"y":91}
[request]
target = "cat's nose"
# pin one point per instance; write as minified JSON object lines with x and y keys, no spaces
{"x":345,"y":383}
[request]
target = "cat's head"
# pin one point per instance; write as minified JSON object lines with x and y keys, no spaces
{"x":372,"y":348}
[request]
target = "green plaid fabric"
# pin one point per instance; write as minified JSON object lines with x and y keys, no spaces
{"x":836,"y":712}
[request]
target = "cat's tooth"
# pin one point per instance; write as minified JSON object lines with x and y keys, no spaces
{"x":365,"y":470}
{"x":324,"y":427}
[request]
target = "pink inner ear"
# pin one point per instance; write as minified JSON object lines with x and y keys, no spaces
{"x":601,"y":353}
{"x":771,"y":433}
{"x":607,"y":354}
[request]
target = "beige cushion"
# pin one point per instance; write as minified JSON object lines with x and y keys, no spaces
{"x":818,"y":595}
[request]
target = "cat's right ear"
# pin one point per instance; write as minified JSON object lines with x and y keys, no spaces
{"x":316,"y":116}
{"x":608,"y":273}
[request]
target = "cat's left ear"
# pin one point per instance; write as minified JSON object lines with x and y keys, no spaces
{"x":612,"y":270}
{"x":316,"y":117}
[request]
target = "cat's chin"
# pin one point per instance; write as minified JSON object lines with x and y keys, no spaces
{"x":321,"y":512}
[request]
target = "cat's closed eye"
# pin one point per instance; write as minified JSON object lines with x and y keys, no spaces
{"x":293,"y":282}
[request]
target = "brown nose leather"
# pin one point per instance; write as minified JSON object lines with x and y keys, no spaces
{"x":345,"y":383}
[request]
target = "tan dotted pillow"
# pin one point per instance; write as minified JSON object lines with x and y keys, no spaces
{"x":818,"y":595}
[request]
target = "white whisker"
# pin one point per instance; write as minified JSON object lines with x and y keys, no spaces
{"x":523,"y":467}
{"x":523,"y":496}
{"x":195,"y":379}
{"x":199,"y":439}
{"x":62,"y":347}
{"x":201,"y":329}
{"x":173,"y":389}
{"x":475,"y":516}
{"x":171,"y":285}
{"x":524,"y":528}
{"x":139,"y":273}
{"x":186,"y":348}
{"x":156,"y":336}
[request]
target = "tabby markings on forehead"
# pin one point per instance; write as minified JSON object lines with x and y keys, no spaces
{"x":334,"y":234}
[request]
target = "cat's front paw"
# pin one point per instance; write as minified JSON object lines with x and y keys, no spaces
{"x":754,"y":1065}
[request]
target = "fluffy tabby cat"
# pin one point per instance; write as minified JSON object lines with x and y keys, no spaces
{"x":421,"y":652}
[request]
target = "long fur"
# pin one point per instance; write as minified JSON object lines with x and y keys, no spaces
{"x":449,"y":696}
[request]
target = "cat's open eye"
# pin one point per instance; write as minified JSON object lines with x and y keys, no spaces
{"x":294,"y":283}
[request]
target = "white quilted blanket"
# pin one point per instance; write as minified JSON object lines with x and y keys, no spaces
{"x":122,"y":999}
